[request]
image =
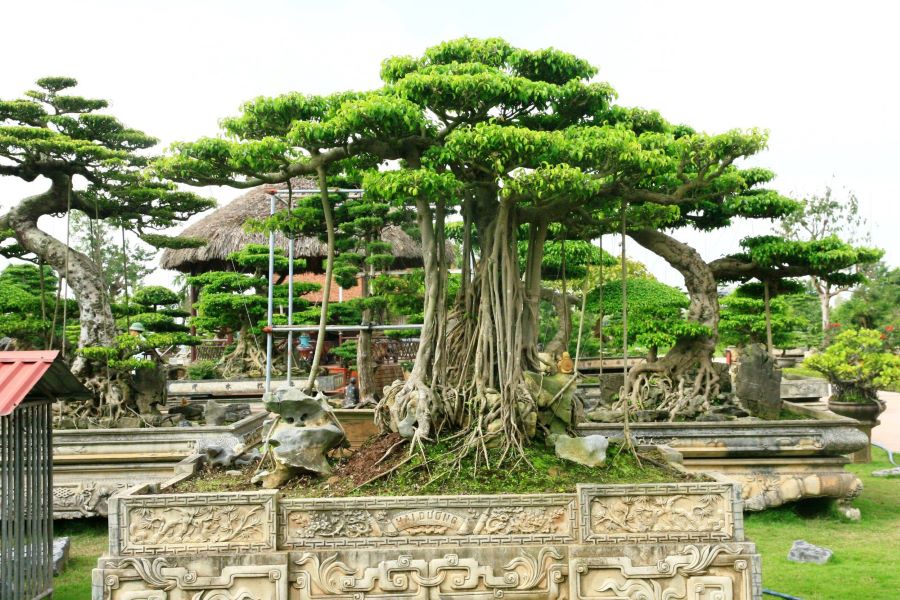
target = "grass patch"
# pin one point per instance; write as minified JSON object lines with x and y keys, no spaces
{"x":864,"y":564}
{"x":89,"y":541}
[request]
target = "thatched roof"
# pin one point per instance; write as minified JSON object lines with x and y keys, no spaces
{"x":223,"y":230}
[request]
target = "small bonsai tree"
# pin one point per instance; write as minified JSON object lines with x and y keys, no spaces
{"x":655,"y":314}
{"x":235,"y":302}
{"x":857,"y":364}
{"x":743,"y":321}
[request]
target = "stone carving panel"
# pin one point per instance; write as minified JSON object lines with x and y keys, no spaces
{"x":373,"y":522}
{"x":84,"y":498}
{"x":532,"y":575}
{"x":696,"y":572}
{"x":658,"y":512}
{"x":182,"y":524}
{"x":159,"y":579}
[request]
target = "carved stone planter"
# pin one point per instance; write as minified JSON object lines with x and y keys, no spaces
{"x":775,"y":461}
{"x":89,"y":465}
{"x":679,"y":540}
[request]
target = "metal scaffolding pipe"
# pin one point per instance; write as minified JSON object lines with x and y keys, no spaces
{"x":269,"y":340}
{"x":273,"y":329}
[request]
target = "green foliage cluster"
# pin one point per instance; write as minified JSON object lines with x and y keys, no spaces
{"x":203,"y":369}
{"x":742,"y":318}
{"x":858,"y":363}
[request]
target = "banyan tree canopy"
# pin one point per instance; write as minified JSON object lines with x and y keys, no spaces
{"x":224,"y":233}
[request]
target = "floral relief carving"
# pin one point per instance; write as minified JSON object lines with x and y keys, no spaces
{"x":195,"y":524}
{"x":658,"y":513}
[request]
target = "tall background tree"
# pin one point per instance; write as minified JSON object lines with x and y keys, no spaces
{"x":875,"y":304}
{"x":89,"y":161}
{"x":124,"y":263}
{"x":825,"y":216}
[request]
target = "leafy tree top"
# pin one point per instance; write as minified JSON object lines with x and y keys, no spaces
{"x":743,"y":320}
{"x":772,"y":258}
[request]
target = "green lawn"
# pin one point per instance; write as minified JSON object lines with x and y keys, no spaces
{"x":88,"y":543}
{"x":864,"y":566}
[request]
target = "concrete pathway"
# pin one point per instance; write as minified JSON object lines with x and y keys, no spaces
{"x":888,"y":433}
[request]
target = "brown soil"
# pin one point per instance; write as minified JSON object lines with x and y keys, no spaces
{"x":349,"y":472}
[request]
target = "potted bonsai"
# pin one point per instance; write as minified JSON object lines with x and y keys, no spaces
{"x":857,"y":364}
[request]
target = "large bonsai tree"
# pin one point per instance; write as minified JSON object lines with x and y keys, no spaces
{"x":88,"y":161}
{"x":513,"y":141}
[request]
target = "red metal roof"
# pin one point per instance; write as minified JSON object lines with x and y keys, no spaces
{"x":20,"y":372}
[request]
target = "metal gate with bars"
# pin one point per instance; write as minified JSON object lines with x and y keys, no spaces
{"x":26,"y":506}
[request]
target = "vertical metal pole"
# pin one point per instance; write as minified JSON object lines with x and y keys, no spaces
{"x":290,"y":315}
{"x":5,"y":508}
{"x":269,"y":339}
{"x":19,"y":505}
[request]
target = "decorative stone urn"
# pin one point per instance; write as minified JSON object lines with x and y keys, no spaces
{"x":670,"y":540}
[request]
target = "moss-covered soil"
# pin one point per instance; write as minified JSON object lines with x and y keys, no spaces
{"x":434,"y":473}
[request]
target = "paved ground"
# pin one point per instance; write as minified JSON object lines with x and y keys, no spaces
{"x":888,"y":433}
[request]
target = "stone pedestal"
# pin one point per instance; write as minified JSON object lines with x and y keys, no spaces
{"x":864,"y":455}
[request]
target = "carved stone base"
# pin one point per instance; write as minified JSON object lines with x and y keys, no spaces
{"x":677,"y":541}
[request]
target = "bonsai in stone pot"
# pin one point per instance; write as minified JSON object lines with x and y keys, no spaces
{"x":857,"y":364}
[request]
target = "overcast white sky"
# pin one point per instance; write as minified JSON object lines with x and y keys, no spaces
{"x":821,"y":76}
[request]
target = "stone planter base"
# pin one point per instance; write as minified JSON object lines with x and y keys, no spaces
{"x":777,"y":461}
{"x":681,"y":540}
{"x":89,"y":465}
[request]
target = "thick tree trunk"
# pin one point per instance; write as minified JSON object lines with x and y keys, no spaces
{"x":689,"y":356}
{"x":409,"y":407}
{"x":563,"y":305}
{"x":83,"y":276}
{"x":531,"y":319}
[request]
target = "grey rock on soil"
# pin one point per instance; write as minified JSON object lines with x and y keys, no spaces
{"x":301,"y":440}
{"x":804,"y":552}
{"x":589,"y":451}
{"x":223,"y":414}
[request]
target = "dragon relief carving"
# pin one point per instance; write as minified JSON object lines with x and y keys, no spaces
{"x":507,"y":520}
{"x":195,"y":524}
{"x":525,"y":576}
{"x":649,"y":513}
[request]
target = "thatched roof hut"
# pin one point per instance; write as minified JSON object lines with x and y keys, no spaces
{"x":224,"y":232}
